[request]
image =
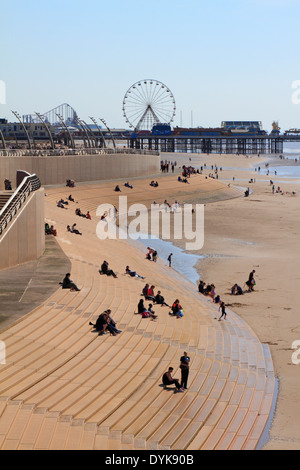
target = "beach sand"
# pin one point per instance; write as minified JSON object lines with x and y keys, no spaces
{"x":259,"y":232}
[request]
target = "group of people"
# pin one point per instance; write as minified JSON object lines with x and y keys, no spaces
{"x":106,"y":324}
{"x":73,"y":229}
{"x":61,"y":203}
{"x":182,"y":180}
{"x":50,"y":230}
{"x":70,"y":183}
{"x":165,"y":165}
{"x":151,"y":254}
{"x":210,"y":291}
{"x":148,"y":293}
{"x":154,"y":184}
{"x":168,"y":379}
{"x":81,"y":214}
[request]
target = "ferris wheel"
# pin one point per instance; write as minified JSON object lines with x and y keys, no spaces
{"x":148,"y":102}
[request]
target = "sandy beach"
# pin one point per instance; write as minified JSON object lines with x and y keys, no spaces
{"x":241,"y":234}
{"x":259,"y":232}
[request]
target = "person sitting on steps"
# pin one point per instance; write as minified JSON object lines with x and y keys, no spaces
{"x":167,"y":379}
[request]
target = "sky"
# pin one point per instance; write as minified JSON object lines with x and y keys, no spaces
{"x":222,"y":60}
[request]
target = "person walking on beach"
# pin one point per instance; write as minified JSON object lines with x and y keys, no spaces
{"x":251,"y":281}
{"x":222,"y":308}
{"x":170,"y":259}
{"x":185,"y":368}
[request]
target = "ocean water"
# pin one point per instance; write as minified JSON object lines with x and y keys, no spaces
{"x":182,"y":262}
{"x":291,"y":148}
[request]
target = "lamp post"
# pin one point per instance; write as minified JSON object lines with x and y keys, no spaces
{"x":93,"y":138}
{"x":83,"y":128}
{"x":24,"y":128}
{"x":78,"y":125}
{"x":67,"y":129}
{"x":3,"y":140}
{"x":99,"y":129}
{"x":113,"y":140}
{"x":47,"y":129}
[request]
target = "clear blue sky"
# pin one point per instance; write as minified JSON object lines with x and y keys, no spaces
{"x":222,"y":59}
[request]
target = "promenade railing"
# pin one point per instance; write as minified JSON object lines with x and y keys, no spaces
{"x":9,"y":210}
{"x":69,"y":152}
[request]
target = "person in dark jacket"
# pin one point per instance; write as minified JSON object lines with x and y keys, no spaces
{"x":68,"y":283}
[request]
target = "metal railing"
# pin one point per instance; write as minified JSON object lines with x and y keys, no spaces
{"x":69,"y":152}
{"x":29,"y":184}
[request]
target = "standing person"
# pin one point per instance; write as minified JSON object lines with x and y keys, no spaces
{"x":251,"y":281}
{"x":185,"y":368}
{"x":167,"y":379}
{"x":222,"y":308}
{"x":170,"y":259}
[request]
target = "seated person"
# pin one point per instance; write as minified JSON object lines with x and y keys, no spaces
{"x":60,"y":204}
{"x":132,"y":273}
{"x":74,"y":230}
{"x":68,"y":283}
{"x":70,"y":198}
{"x":101,"y":323}
{"x":176,"y":309}
{"x":151,"y":312}
{"x":212,"y":292}
{"x":64,"y":202}
{"x":105,"y":270}
{"x":53,"y":231}
{"x":88,"y":215}
{"x":7,"y":185}
{"x":207,"y":289}
{"x":167,"y":379}
{"x":117,"y":188}
{"x":112,"y":325}
{"x":47,"y":229}
{"x":159,"y":299}
{"x":141,"y":307}
{"x":201,"y":287}
{"x":149,"y":253}
{"x":150,"y":294}
{"x":236,"y":290}
{"x":145,"y":290}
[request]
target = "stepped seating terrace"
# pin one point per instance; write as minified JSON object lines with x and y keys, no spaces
{"x":64,"y":387}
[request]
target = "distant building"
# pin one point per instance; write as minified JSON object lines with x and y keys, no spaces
{"x":14,"y":130}
{"x":242,"y":126}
